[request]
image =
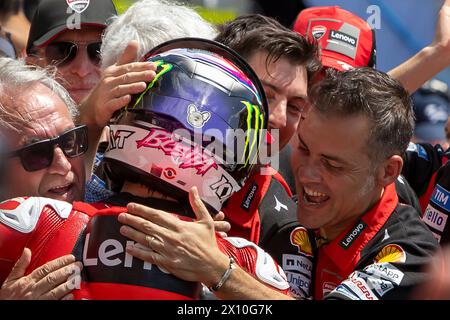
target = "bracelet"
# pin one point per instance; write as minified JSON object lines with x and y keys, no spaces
{"x":225,"y":276}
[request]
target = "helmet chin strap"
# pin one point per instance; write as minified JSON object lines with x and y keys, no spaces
{"x":140,"y":190}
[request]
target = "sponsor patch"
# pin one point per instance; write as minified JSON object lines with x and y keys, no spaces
{"x":249,"y":196}
{"x":343,"y":290}
{"x":380,"y":286}
{"x":440,"y":197}
{"x":302,"y":264}
{"x":318,"y":31}
{"x":435,"y":218}
{"x":385,"y":271}
{"x":222,"y":188}
{"x":391,"y":253}
{"x":350,"y":237}
{"x":117,"y":138}
{"x":78,"y":5}
{"x":169,"y":173}
{"x":300,"y":239}
{"x":197,"y":118}
{"x":360,"y":287}
{"x":298,"y":281}
{"x":327,"y":287}
{"x":343,"y":37}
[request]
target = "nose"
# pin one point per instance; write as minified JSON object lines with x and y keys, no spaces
{"x":307,"y":171}
{"x":82,"y":65}
{"x":277,"y":116}
{"x":60,"y":164}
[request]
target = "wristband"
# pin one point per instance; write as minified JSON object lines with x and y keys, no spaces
{"x":225,"y":276}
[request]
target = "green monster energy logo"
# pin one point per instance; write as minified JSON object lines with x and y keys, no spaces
{"x":165,"y":67}
{"x":253,"y":135}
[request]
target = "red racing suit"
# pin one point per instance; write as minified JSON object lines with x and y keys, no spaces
{"x":428,"y":171}
{"x":264,"y":213}
{"x":381,"y":256}
{"x":51,"y":228}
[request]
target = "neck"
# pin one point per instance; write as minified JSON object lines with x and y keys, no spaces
{"x":333,"y":231}
{"x":140,"y":190}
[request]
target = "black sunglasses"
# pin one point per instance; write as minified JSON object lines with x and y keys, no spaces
{"x":63,"y":52}
{"x":39,"y":155}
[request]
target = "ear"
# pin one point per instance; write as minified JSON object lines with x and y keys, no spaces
{"x":191,"y":109}
{"x":389,"y":171}
{"x":206,"y":115}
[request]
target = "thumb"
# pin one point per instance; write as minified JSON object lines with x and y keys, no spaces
{"x":198,"y":206}
{"x":129,"y":54}
{"x":18,"y":271}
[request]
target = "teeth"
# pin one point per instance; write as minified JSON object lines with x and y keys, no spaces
{"x":313,"y":193}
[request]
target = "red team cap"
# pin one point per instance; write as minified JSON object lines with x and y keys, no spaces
{"x":346,"y":40}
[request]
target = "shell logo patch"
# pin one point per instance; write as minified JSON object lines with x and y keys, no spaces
{"x":391,"y":253}
{"x":300,"y":239}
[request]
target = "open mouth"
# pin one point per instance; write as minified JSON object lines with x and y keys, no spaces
{"x":60,"y":190}
{"x":313,"y":197}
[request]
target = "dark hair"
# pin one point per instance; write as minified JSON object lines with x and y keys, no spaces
{"x":254,"y":32}
{"x":9,"y":8}
{"x":382,"y":99}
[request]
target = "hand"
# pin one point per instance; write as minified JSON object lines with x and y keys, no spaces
{"x":117,"y":84}
{"x":220,"y":225}
{"x":52,"y":281}
{"x":442,"y":33}
{"x":186,"y":249}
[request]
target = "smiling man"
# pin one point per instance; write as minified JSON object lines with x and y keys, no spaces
{"x":70,"y":41}
{"x":44,"y":146}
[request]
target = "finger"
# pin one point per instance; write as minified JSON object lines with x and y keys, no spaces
{"x":122,"y":90}
{"x":149,"y":256}
{"x":198,"y":206}
{"x":130,"y":53}
{"x":51,"y":266}
{"x":219,"y":217}
{"x":223,"y":234}
{"x":60,"y":292}
{"x":132,"y":77}
{"x":117,"y":71}
{"x":222,"y":226}
{"x":156,"y":244}
{"x":58,"y":283}
{"x":18,"y":271}
{"x":142,"y":225}
{"x":117,"y":103}
{"x":159,"y":217}
{"x":70,"y":296}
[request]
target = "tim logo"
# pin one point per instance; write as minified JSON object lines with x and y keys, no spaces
{"x":441,"y":198}
{"x":117,"y":138}
{"x":186,"y":156}
{"x":78,"y":5}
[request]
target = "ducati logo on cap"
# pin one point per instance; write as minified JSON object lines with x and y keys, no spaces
{"x":78,"y":5}
{"x":318,"y":31}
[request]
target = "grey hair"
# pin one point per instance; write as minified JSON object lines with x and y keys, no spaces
{"x":16,"y":75}
{"x":151,"y":22}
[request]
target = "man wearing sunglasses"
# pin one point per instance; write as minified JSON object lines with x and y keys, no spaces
{"x":41,"y":156}
{"x":70,"y":41}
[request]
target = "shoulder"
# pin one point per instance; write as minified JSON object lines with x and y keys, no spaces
{"x":23,"y":213}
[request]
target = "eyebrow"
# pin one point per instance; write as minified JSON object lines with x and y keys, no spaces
{"x":328,"y":157}
{"x":276,"y":89}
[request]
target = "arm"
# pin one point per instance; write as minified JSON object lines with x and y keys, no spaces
{"x":189,"y":250}
{"x":431,"y":60}
{"x":117,"y":84}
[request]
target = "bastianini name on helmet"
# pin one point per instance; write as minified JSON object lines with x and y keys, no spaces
{"x":157,"y":151}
